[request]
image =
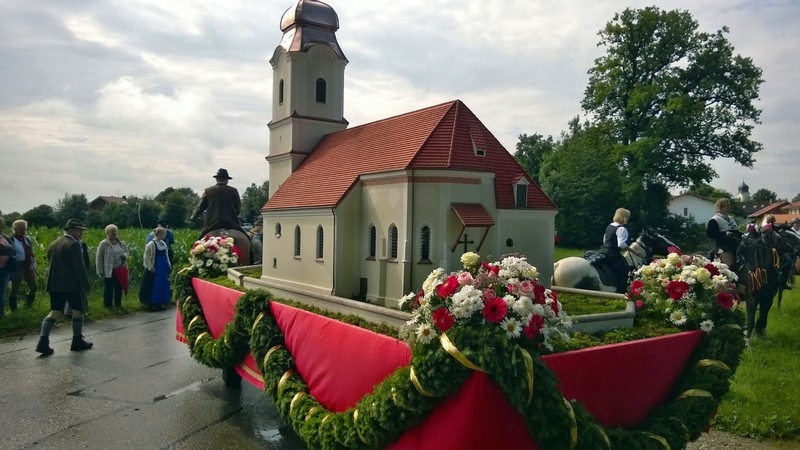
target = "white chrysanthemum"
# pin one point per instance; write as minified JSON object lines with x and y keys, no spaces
{"x":425,"y":333}
{"x":706,"y":325}
{"x":433,"y":279}
{"x":678,"y":317}
{"x":523,"y":306}
{"x":512,"y":326}
{"x":674,"y":259}
{"x":209,"y":262}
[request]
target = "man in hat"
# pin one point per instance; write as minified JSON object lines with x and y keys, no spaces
{"x":67,"y":282}
{"x":220,"y":206}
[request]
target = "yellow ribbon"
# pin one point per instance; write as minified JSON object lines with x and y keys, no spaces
{"x":573,"y":432}
{"x":603,"y":435}
{"x":184,"y":270}
{"x":416,"y":383}
{"x":355,"y":425}
{"x":713,"y":363}
{"x":269,"y":353}
{"x":282,"y":383}
{"x":295,"y":399}
{"x":201,"y":336}
{"x":194,"y":319}
{"x":528,"y":361}
{"x":450,"y":348}
{"x":695,"y":393}
{"x":660,"y":440}
{"x":312,"y":411}
{"x":258,"y":319}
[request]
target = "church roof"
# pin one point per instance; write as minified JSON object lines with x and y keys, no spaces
{"x":443,"y":136}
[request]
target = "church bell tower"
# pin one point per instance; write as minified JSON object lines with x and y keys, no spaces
{"x":307,"y":87}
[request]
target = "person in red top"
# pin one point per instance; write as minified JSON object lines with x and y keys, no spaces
{"x":25,"y":269}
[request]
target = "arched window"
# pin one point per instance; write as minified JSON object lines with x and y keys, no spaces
{"x":277,"y":229}
{"x":322,"y":90}
{"x":373,"y":239}
{"x":297,"y":241}
{"x":425,"y":242}
{"x":280,"y":92}
{"x":320,"y":241}
{"x":393,"y":242}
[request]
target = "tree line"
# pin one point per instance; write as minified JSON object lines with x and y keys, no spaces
{"x":661,"y":103}
{"x":173,"y":205}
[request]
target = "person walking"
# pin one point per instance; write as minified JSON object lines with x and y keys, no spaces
{"x":7,"y":257}
{"x":25,"y":269}
{"x":67,"y":281}
{"x":112,"y":253}
{"x":155,"y":287}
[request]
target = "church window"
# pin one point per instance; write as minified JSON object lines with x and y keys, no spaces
{"x":297,"y":241}
{"x":425,"y":241}
{"x":280,"y":92}
{"x":277,"y":229}
{"x":393,"y":238}
{"x":320,"y":241}
{"x":322,"y":90}
{"x":373,"y":238}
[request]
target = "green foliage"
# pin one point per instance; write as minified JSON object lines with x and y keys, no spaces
{"x":72,"y":206}
{"x":178,"y":206}
{"x":709,"y":192}
{"x":764,"y":195}
{"x":531,"y":150}
{"x":41,"y":216}
{"x":253,"y":199}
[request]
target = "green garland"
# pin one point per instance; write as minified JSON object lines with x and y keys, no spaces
{"x":407,"y":396}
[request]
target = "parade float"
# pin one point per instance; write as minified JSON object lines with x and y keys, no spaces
{"x":472,"y":368}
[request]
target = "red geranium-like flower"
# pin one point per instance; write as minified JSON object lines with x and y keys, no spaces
{"x":637,"y":287}
{"x":236,"y":251}
{"x":676,"y":289}
{"x":490,"y":269}
{"x":494,"y":310}
{"x":639,"y":304}
{"x":447,"y":288}
{"x":534,"y":327}
{"x":712,"y":268}
{"x":538,"y":294}
{"x":443,"y":319}
{"x":725,"y":300}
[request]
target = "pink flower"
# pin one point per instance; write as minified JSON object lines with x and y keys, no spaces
{"x":526,"y":287}
{"x":443,"y":319}
{"x":490,"y":269}
{"x":637,"y":287}
{"x":639,"y":304}
{"x":494,"y":310}
{"x":673,"y":249}
{"x":465,"y":278}
{"x":488,"y":294}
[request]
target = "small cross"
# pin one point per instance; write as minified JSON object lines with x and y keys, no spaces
{"x":465,"y":242}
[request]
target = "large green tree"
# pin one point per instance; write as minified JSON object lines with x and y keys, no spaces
{"x":253,"y":200}
{"x":673,"y":98}
{"x":531,"y":150}
{"x":72,"y":206}
{"x":764,"y":195}
{"x":178,"y":206}
{"x":41,"y":216}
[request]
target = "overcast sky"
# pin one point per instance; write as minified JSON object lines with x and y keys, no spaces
{"x":129,"y":97}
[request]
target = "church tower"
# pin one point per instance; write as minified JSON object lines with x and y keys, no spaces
{"x":307,"y":87}
{"x":744,"y":192}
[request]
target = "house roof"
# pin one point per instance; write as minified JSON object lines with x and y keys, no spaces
{"x":689,"y":194}
{"x":472,"y":214}
{"x":443,"y":136}
{"x":105,"y":200}
{"x":772,"y":208}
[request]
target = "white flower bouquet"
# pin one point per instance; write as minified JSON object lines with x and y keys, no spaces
{"x":211,"y":256}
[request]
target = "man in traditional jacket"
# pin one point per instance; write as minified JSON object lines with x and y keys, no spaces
{"x":220,"y":206}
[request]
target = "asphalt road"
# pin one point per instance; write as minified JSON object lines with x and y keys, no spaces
{"x":138,"y":388}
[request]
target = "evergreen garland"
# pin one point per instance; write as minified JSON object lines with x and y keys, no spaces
{"x":407,"y":396}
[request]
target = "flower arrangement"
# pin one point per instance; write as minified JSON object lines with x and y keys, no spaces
{"x":211,"y":256}
{"x":502,"y":297}
{"x":690,"y":290}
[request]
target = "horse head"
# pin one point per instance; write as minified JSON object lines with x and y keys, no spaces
{"x":656,"y":243}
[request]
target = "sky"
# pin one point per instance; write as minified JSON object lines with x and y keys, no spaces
{"x":129,"y":97}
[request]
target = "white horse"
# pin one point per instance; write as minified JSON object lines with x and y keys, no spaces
{"x":578,"y":272}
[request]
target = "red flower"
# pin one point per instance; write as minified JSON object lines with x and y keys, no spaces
{"x":554,"y":305}
{"x":725,"y":300}
{"x":712,"y":268}
{"x":639,"y":304}
{"x":534,"y":327}
{"x":447,"y":288}
{"x":495,"y":310}
{"x":637,"y":287}
{"x":489,"y":294}
{"x":673,"y":249}
{"x":236,"y":251}
{"x":490,"y":269}
{"x":538,"y":294}
{"x":676,"y":289}
{"x":443,"y":319}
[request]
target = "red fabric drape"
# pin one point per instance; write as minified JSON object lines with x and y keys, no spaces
{"x":619,"y":384}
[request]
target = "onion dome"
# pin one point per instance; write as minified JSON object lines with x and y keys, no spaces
{"x":308,"y":23}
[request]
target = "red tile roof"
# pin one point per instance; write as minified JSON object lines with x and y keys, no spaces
{"x":472,"y":214}
{"x":438,"y":137}
{"x":773,"y":208}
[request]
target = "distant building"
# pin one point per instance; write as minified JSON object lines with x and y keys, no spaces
{"x":104,"y":200}
{"x":783,"y":211}
{"x":368,"y":212}
{"x":691,"y":206}
{"x":744,"y":193}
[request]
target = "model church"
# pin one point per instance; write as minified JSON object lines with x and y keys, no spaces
{"x":367,"y":212}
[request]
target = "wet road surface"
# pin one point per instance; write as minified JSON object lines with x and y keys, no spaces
{"x":138,"y":388}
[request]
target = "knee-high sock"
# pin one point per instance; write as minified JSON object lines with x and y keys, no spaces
{"x":77,"y":327}
{"x":47,"y":326}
